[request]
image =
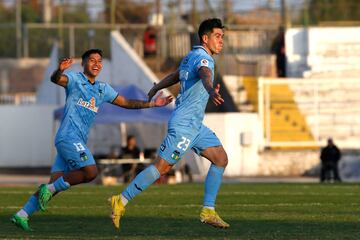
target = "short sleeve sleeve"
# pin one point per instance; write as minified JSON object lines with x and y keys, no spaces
{"x":110,"y":94}
{"x":71,"y":79}
{"x":203,"y":61}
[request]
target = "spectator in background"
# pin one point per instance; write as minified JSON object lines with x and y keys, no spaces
{"x":150,"y":41}
{"x":130,"y":151}
{"x":330,"y":156}
{"x":278,"y":48}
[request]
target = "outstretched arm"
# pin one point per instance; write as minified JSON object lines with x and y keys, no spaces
{"x":168,"y":81}
{"x":58,"y":77}
{"x":136,"y":104}
{"x":206,"y":78}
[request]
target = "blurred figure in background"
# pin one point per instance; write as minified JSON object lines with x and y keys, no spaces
{"x":278,"y":48}
{"x":150,"y":41}
{"x":130,"y":151}
{"x":330,"y":156}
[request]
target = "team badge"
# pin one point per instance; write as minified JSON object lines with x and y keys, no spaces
{"x":83,"y":156}
{"x":175,"y":155}
{"x":204,"y":63}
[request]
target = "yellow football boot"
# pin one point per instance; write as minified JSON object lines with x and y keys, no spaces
{"x":118,"y":210}
{"x":209,"y":216}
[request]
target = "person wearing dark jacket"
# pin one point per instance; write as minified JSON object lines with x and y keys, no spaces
{"x":330,"y":156}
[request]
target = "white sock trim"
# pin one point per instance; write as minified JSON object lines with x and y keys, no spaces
{"x":212,"y":208}
{"x":22,"y":213}
{"x":123,"y":200}
{"x":51,"y":187}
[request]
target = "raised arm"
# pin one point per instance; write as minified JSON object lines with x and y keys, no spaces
{"x":206,"y":78}
{"x":136,"y":104}
{"x":58,"y":77}
{"x":167,"y":81}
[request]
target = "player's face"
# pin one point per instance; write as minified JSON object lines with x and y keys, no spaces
{"x":93,"y":65}
{"x":215,"y":41}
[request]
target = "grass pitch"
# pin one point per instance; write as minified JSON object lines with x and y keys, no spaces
{"x":254,"y":211}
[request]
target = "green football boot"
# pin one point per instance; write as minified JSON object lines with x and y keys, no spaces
{"x":21,"y":222}
{"x":44,"y":196}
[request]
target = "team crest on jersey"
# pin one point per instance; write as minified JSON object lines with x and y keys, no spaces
{"x":83,"y":156}
{"x":175,"y":155}
{"x":101,"y":87}
{"x":91,"y":105}
{"x":204,"y":63}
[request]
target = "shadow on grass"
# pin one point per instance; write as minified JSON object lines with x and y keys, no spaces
{"x":100,"y":227}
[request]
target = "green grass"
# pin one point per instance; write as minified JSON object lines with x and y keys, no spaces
{"x":254,"y":211}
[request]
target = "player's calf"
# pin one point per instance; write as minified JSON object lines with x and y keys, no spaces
{"x":46,"y":191}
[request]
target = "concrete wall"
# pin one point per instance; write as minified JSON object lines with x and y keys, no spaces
{"x":327,"y":49}
{"x":287,"y":162}
{"x":26,"y":136}
{"x":238,"y":133}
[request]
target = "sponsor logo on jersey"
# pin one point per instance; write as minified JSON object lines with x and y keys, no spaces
{"x":91,"y":105}
{"x":175,"y":155}
{"x":204,"y":63}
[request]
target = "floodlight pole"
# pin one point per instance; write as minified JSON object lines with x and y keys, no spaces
{"x":18,"y":28}
{"x":113,"y":14}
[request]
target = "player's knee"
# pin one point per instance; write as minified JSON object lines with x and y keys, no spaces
{"x":162,"y":166}
{"x":90,"y":174}
{"x":222,"y":160}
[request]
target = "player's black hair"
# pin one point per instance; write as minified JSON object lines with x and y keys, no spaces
{"x":91,"y":51}
{"x":208,"y":25}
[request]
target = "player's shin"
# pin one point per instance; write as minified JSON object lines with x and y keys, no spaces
{"x":30,"y":207}
{"x":212,"y":185}
{"x":141,"y":182}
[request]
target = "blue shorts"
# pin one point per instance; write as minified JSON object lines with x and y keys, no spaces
{"x":180,"y":140}
{"x":72,"y":155}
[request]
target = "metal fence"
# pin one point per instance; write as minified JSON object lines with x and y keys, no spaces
{"x":74,"y":39}
{"x":18,"y":99}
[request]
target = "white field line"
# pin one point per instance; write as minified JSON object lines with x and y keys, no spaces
{"x":196,"y":205}
{"x":180,"y":193}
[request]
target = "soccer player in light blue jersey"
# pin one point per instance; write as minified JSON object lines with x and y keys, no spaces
{"x":74,"y":163}
{"x":185,"y":128}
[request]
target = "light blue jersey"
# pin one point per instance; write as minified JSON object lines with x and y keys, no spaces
{"x":193,"y":97}
{"x":185,"y":129}
{"x":82,"y":103}
{"x":83,"y":100}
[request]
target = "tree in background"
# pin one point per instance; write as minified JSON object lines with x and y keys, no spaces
{"x":333,"y":11}
{"x":128,"y":11}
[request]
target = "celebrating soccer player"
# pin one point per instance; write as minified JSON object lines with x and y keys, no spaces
{"x":74,"y":163}
{"x":185,"y":128}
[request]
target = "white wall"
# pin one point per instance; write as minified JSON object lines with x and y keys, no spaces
{"x":238,"y":133}
{"x":26,"y":136}
{"x":322,"y":49}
